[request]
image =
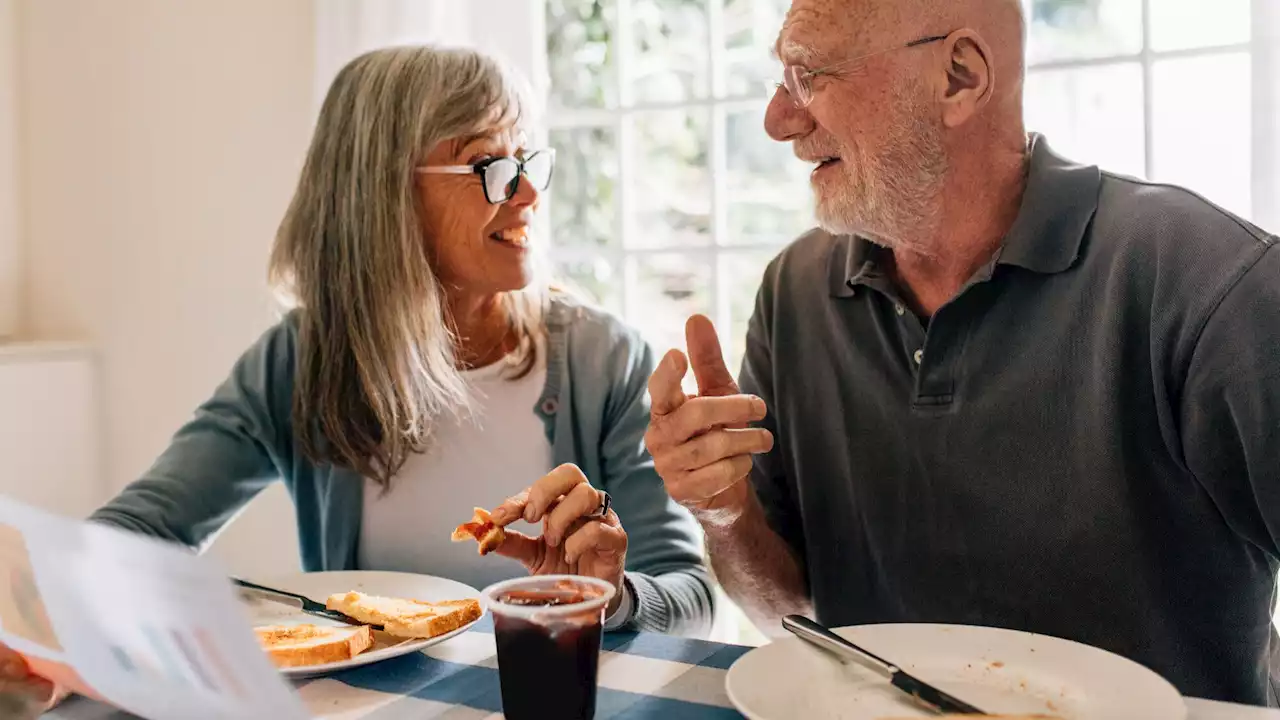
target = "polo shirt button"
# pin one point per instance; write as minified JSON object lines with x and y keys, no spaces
{"x":550,"y":405}
{"x":918,"y":356}
{"x":900,"y":310}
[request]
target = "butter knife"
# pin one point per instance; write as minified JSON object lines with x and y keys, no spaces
{"x":921,"y":692}
{"x":303,"y":603}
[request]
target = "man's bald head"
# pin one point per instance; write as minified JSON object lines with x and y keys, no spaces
{"x":899,"y":116}
{"x":857,"y":26}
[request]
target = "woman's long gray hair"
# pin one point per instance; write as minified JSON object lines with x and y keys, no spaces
{"x":376,"y":360}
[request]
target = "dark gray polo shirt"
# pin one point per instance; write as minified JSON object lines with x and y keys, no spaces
{"x":1084,"y":443}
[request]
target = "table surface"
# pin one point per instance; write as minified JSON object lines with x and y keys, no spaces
{"x":642,"y":676}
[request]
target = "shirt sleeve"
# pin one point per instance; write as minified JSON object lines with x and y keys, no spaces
{"x":1230,"y":407}
{"x":769,"y":479}
{"x":236,"y":444}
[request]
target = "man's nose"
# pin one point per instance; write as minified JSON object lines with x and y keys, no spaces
{"x":783,"y":120}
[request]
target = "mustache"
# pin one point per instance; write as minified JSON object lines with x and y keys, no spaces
{"x":816,"y":152}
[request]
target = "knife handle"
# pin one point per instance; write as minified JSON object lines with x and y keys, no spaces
{"x":307,"y":602}
{"x":819,"y":635}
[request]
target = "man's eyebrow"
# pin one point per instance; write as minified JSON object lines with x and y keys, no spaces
{"x":793,"y":52}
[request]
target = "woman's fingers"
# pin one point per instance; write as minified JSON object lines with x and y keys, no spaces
{"x":581,"y":501}
{"x":601,"y":538}
{"x":547,"y":491}
{"x":510,"y":510}
{"x":528,"y":551}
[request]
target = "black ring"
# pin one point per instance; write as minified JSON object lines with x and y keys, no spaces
{"x":603,"y":510}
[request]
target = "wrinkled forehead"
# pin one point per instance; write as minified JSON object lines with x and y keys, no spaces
{"x":818,"y":31}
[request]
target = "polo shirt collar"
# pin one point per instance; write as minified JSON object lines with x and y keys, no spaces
{"x":1058,"y":205}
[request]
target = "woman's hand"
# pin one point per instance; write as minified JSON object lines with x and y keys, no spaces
{"x":575,"y":539}
{"x":22,"y":694}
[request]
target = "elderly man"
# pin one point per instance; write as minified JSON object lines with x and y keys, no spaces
{"x":998,"y":387}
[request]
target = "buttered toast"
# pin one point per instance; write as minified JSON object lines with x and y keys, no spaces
{"x":407,"y":618}
{"x":299,"y":645}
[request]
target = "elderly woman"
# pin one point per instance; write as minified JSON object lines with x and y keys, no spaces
{"x":425,"y":369}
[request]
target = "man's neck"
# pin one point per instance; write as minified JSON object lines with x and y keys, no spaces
{"x":980,"y":204}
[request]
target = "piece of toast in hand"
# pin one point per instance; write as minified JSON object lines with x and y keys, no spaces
{"x":300,"y":645}
{"x":407,"y":618}
{"x":482,"y":530}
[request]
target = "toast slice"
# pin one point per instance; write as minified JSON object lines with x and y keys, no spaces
{"x":300,"y":645}
{"x":482,"y":530}
{"x":407,"y":618}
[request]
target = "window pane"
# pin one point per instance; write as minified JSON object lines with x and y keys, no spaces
{"x":1091,"y":115}
{"x":584,"y":189}
{"x":750,"y":29}
{"x":666,"y":289}
{"x":1179,"y":24}
{"x":672,"y":183}
{"x":592,"y":279}
{"x":741,"y":273}
{"x":1067,"y":29}
{"x":768,"y":195}
{"x":579,"y":53}
{"x":670,"y":62}
{"x":1217,"y":163}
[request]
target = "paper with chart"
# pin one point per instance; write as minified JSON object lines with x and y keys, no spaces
{"x":140,"y":624}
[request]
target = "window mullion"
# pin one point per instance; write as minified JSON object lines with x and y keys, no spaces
{"x":1266,"y":114}
{"x":624,"y":46}
{"x":1148,"y":95}
{"x":718,"y":163}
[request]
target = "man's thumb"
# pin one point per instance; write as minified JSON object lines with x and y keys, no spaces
{"x":707,"y":359}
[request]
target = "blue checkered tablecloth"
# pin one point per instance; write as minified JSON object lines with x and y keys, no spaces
{"x":642,"y":677}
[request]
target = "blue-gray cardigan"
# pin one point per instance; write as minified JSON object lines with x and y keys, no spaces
{"x":595,"y":406}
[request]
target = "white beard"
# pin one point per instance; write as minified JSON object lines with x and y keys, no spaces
{"x":891,"y":196}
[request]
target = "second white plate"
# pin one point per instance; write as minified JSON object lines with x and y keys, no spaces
{"x":320,"y":585}
{"x":1000,"y":671}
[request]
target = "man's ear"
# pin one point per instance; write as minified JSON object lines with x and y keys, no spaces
{"x":970,"y":76}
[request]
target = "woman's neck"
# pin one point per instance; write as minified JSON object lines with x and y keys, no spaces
{"x":482,"y":330}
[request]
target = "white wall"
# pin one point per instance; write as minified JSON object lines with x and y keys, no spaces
{"x":161,"y":142}
{"x":10,"y":219}
{"x":49,"y":427}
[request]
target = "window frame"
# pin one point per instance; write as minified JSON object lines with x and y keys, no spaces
{"x":619,"y":254}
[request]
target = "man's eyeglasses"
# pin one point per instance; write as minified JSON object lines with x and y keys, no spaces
{"x":798,"y":81}
{"x":500,"y":176}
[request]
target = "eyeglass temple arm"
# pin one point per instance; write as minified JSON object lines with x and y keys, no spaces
{"x":914,"y":43}
{"x":445,"y":169}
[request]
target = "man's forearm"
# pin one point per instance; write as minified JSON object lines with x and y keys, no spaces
{"x":757,"y":568}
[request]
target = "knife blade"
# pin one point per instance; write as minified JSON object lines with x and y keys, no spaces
{"x":303,"y":603}
{"x":920,"y":691}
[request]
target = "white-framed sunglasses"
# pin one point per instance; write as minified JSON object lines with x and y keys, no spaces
{"x":500,"y":176}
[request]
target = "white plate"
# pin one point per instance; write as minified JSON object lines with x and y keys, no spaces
{"x":1000,"y":671}
{"x":320,"y":585}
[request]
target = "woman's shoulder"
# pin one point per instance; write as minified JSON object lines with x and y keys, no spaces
{"x":594,"y":335}
{"x":587,"y":322}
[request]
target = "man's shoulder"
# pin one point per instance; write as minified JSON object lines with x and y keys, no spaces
{"x":1177,"y":254}
{"x":806,"y":262}
{"x":1168,"y":221}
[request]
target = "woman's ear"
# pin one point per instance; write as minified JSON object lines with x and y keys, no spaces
{"x":970,"y":77}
